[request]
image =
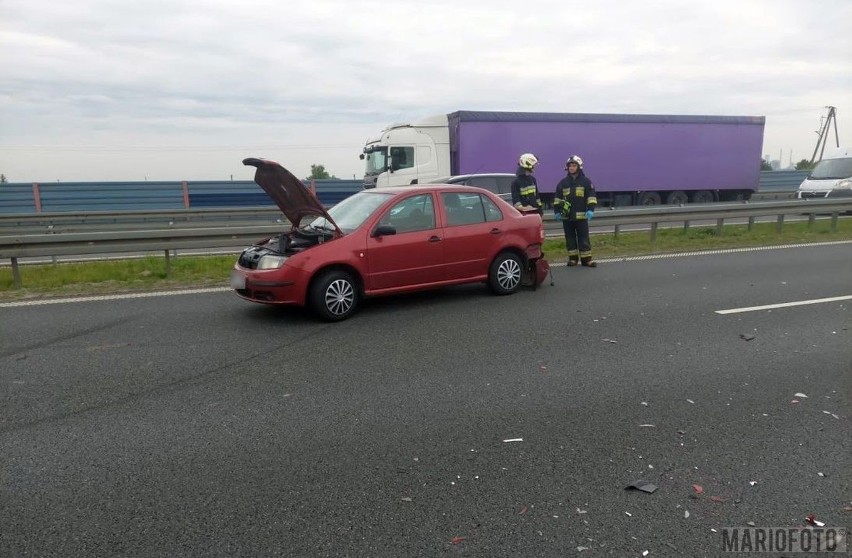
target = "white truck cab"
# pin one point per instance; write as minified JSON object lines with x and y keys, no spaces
{"x":831,"y":177}
{"x":406,"y":154}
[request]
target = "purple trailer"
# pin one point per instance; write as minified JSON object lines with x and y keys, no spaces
{"x":631,"y":159}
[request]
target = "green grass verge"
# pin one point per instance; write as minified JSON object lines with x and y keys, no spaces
{"x":67,"y":279}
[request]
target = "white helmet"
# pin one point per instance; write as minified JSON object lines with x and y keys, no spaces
{"x":574,"y":159}
{"x":528,"y":161}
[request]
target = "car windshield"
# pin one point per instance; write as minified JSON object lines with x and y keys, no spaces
{"x":832,"y":169}
{"x":377,"y":160}
{"x":352,"y":212}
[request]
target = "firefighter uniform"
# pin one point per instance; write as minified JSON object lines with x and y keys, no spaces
{"x":525,"y":191}
{"x":574,"y":197}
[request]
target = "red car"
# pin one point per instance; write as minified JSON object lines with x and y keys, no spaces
{"x":386,"y":241}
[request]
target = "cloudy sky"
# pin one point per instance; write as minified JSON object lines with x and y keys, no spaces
{"x":185,"y":89}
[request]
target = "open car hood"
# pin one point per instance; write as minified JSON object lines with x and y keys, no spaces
{"x":288,"y":192}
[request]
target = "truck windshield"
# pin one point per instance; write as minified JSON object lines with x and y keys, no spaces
{"x":377,"y":160}
{"x":832,"y":169}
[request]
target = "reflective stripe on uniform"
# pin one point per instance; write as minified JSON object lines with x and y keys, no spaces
{"x":593,"y":200}
{"x":528,"y":191}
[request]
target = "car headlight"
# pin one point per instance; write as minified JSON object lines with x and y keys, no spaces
{"x":844,"y":184}
{"x":270,"y":262}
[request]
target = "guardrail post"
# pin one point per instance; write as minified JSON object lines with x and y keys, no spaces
{"x":16,"y":273}
{"x":185,"y":188}
{"x":686,"y":225}
{"x":750,"y":223}
{"x":720,"y":224}
{"x":617,"y":230}
{"x":37,"y":197}
{"x":653,"y":233}
{"x":780,"y":224}
{"x":811,"y":220}
{"x":834,"y":221}
{"x":168,"y":265}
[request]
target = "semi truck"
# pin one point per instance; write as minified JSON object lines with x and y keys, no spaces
{"x":632,"y":159}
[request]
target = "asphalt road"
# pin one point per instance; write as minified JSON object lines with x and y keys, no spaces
{"x":204,"y":425}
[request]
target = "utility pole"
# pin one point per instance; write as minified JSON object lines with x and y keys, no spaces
{"x":823,"y":133}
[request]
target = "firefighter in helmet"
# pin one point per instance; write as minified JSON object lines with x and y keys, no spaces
{"x":574,"y":204}
{"x":524,"y":187}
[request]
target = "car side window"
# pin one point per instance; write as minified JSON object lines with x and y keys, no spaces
{"x":416,"y":213}
{"x":492,"y":212}
{"x":504,"y":184}
{"x":463,"y":209}
{"x":487,"y":182}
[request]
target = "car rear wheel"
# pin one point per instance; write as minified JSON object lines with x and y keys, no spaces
{"x":334,"y":296}
{"x":505,"y":274}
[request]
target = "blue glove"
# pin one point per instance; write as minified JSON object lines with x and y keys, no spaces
{"x":589,"y":214}
{"x":557,"y":214}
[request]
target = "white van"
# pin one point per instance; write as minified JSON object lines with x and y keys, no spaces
{"x":831,"y":177}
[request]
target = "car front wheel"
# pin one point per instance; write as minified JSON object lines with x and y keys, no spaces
{"x":505,"y":274}
{"x":334,"y":296}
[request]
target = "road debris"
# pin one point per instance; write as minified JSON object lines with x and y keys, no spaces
{"x":698,"y":489}
{"x":406,"y":499}
{"x":613,"y":341}
{"x":686,"y":514}
{"x":800,"y":395}
{"x":458,"y":540}
{"x":691,"y":401}
{"x":717,"y":499}
{"x":811,"y":518}
{"x":523,"y":510}
{"x":513,"y":440}
{"x":646,"y":426}
{"x":642,"y":485}
{"x":746,"y":337}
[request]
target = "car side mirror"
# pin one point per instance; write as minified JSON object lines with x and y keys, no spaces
{"x":384,"y":230}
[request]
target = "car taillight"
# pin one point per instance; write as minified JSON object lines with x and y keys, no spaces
{"x":541,"y":231}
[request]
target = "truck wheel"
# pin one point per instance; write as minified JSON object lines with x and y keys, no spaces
{"x":677,"y":197}
{"x":702,"y":196}
{"x":505,"y":274}
{"x":334,"y":295}
{"x":648,"y":198}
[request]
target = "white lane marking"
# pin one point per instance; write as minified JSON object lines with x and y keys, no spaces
{"x":711,"y":252}
{"x":112,"y":297}
{"x":784,"y":305}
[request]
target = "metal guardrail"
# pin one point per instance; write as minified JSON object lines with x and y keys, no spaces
{"x":147,"y":238}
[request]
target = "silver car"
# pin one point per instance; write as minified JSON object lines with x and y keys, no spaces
{"x":498,"y":182}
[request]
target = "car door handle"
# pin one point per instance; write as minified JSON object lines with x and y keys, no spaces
{"x":434,"y":239}
{"x":495,"y":230}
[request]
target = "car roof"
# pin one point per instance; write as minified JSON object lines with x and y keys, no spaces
{"x":424,"y":188}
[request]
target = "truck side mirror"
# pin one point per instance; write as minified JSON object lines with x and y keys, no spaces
{"x":361,"y":156}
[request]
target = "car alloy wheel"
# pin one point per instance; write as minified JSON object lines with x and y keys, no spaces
{"x":506,"y":273}
{"x":334,"y":295}
{"x":339,"y":297}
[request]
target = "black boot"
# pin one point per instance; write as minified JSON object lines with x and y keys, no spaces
{"x":587,"y":262}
